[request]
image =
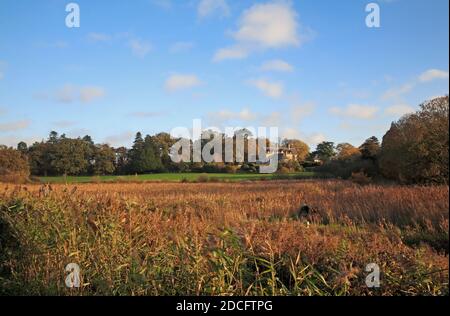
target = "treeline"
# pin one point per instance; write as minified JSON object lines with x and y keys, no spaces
{"x":414,"y":150}
{"x":60,"y":155}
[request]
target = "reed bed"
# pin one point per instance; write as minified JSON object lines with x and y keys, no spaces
{"x":224,"y":238}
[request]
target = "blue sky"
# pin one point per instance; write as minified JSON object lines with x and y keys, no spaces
{"x":312,"y":68}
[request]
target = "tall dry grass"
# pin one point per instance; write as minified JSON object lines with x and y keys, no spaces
{"x":224,"y":238}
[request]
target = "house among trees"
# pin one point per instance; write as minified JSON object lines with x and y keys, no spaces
{"x":285,"y":153}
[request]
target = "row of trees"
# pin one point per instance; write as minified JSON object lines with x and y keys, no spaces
{"x":414,"y":150}
{"x":61,"y":155}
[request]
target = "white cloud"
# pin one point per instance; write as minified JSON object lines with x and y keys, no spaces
{"x":355,"y":111}
{"x":277,"y":65}
{"x":399,"y":110}
{"x":269,"y":25}
{"x":226,"y":115}
{"x":212,"y":7}
{"x":139,"y":47}
{"x":264,"y":26}
{"x":246,"y":115}
{"x":98,"y":37}
{"x":433,"y":74}
{"x":70,"y":93}
{"x":180,"y":82}
{"x":310,"y":139}
{"x":14,"y":126}
{"x":180,"y":47}
{"x":290,"y":133}
{"x":315,"y":138}
{"x":234,"y":52}
{"x":398,"y":91}
{"x":121,"y":139}
{"x":89,"y":94}
{"x":427,"y":76}
{"x":270,"y":89}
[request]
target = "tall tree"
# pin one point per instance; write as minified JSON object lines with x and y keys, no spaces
{"x":145,"y":155}
{"x":416,"y":148}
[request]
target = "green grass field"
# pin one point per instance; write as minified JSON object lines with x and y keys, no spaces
{"x":178,"y":177}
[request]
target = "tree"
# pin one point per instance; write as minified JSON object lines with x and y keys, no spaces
{"x":346,"y":152}
{"x":72,"y":156}
{"x":13,"y":165}
{"x":415,"y":149}
{"x":164,"y":142}
{"x":41,"y":156}
{"x":298,"y":148}
{"x":135,"y":153}
{"x":325,"y":151}
{"x":370,"y":148}
{"x":103,"y":160}
{"x":145,"y":155}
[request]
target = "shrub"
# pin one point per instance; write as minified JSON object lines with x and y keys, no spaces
{"x":231,"y":168}
{"x":290,"y":166}
{"x":249,"y":167}
{"x":345,"y":168}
